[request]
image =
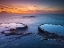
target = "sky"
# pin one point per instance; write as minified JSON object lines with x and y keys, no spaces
{"x":32,"y":6}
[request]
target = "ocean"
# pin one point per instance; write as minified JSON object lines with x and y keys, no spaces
{"x":32,"y":21}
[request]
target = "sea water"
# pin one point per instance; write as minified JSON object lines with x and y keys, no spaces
{"x":32,"y":21}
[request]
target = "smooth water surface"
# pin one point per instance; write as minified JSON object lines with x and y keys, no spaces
{"x":33,"y":40}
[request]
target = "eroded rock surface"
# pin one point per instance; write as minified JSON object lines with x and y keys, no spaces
{"x":13,"y":28}
{"x":50,"y":31}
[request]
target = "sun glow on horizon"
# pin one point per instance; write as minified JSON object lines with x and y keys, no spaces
{"x":28,"y":9}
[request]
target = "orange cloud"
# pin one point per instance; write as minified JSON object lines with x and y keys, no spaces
{"x":29,"y":10}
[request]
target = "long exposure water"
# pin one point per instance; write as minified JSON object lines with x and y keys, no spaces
{"x":32,"y":21}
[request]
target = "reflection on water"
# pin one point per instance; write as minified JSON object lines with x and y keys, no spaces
{"x":57,"y":29}
{"x":33,"y":40}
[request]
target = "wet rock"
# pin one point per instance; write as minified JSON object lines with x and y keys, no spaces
{"x":28,"y":33}
{"x":35,"y":34}
{"x":57,"y":29}
{"x":28,"y":16}
{"x":45,"y":38}
{"x":50,"y":31}
{"x":2,"y":32}
{"x":20,"y":27}
{"x":12,"y":28}
{"x":42,"y":39}
{"x":58,"y":40}
{"x":14,"y":31}
{"x":32,"y":16}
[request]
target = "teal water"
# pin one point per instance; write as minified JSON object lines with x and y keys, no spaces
{"x":30,"y":41}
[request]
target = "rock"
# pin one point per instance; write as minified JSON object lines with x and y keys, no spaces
{"x":50,"y":31}
{"x":45,"y":39}
{"x":12,"y":28}
{"x":13,"y":25}
{"x":58,"y":40}
{"x":35,"y":34}
{"x":20,"y":27}
{"x":28,"y":33}
{"x":2,"y":32}
{"x":32,"y":16}
{"x":57,"y":29}
{"x":13,"y":31}
{"x":28,"y":16}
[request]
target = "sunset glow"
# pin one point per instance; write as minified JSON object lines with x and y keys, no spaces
{"x":23,"y":7}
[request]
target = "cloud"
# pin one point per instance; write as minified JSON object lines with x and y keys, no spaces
{"x":3,"y":12}
{"x":29,"y":9}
